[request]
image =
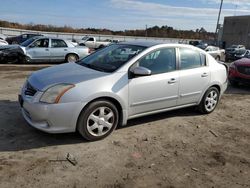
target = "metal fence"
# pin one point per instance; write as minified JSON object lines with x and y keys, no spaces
{"x":78,"y":36}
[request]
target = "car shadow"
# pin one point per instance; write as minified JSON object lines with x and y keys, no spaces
{"x":240,"y":89}
{"x":17,"y":135}
{"x":189,"y":111}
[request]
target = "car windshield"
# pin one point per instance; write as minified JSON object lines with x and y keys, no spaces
{"x":234,"y":46}
{"x":85,"y":38}
{"x":28,"y":42}
{"x":240,"y":52}
{"x":111,"y":58}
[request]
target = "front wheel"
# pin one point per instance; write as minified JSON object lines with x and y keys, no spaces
{"x":98,"y":120}
{"x":209,"y":101}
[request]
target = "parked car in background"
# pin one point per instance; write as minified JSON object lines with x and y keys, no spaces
{"x":216,"y":52}
{"x":3,"y":42}
{"x":242,"y":53}
{"x":45,"y":49}
{"x":91,"y":42}
{"x":2,"y":37}
{"x":121,"y":82}
{"x":232,"y":50}
{"x":194,"y":42}
{"x":239,"y":72}
{"x":11,"y":54}
{"x":20,"y":38}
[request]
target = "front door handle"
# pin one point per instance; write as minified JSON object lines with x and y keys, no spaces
{"x":204,"y":74}
{"x":172,"y":80}
{"x":47,"y":49}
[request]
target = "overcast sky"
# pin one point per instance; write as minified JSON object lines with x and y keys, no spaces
{"x":122,"y":14}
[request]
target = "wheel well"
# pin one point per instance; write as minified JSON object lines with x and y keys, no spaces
{"x":71,"y":54}
{"x":217,"y":87}
{"x":110,"y":99}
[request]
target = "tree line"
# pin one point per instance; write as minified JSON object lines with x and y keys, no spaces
{"x":155,"y":31}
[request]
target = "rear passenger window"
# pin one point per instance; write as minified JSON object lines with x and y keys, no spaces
{"x":191,"y":59}
{"x":57,"y":43}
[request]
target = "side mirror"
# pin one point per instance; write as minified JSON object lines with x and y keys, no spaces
{"x":207,"y":50}
{"x":141,"y":71}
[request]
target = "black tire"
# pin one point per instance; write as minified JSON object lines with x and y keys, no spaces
{"x":85,"y":119}
{"x":204,"y":103}
{"x":22,"y":59}
{"x":217,"y":58}
{"x":234,"y":83}
{"x":71,"y":58}
{"x":101,"y":46}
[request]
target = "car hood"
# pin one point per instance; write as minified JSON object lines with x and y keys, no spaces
{"x":71,"y":73}
{"x":243,"y":61}
{"x":11,"y":48}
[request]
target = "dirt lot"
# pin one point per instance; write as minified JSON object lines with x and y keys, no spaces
{"x":174,"y":149}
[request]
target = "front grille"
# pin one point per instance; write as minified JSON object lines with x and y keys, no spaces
{"x":29,"y":90}
{"x":243,"y":70}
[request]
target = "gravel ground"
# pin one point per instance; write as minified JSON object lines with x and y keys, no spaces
{"x":175,"y":149}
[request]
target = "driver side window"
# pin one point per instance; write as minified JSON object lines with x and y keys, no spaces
{"x":91,"y":39}
{"x":159,"y":61}
{"x":41,"y":43}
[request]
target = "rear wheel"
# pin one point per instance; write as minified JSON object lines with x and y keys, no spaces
{"x":72,"y":58}
{"x":98,"y":120}
{"x":209,"y":101}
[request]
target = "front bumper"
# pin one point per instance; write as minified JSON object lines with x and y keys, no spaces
{"x":50,"y":118}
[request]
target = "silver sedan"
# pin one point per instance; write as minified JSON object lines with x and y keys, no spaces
{"x":121,"y":82}
{"x":45,"y":49}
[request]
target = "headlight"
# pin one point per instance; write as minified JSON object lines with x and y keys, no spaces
{"x":54,"y":93}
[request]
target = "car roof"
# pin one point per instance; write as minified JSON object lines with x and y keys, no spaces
{"x":46,"y":37}
{"x":149,"y":44}
{"x":143,"y":43}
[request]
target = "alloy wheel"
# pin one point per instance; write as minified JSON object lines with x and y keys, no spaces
{"x":100,"y":121}
{"x":211,"y":100}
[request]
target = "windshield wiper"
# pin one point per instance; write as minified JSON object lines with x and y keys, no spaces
{"x":93,"y":67}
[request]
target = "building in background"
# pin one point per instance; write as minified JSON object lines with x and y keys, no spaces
{"x":236,"y":30}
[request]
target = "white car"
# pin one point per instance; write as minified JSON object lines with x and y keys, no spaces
{"x":91,"y":42}
{"x":3,"y":42}
{"x":46,"y":49}
{"x":216,"y":52}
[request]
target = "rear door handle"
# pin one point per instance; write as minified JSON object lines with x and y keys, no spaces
{"x":65,"y":49}
{"x":204,"y":74}
{"x":172,"y":80}
{"x":47,"y":49}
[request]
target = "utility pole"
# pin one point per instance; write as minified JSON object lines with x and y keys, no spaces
{"x":218,"y":21}
{"x":146,"y":31}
